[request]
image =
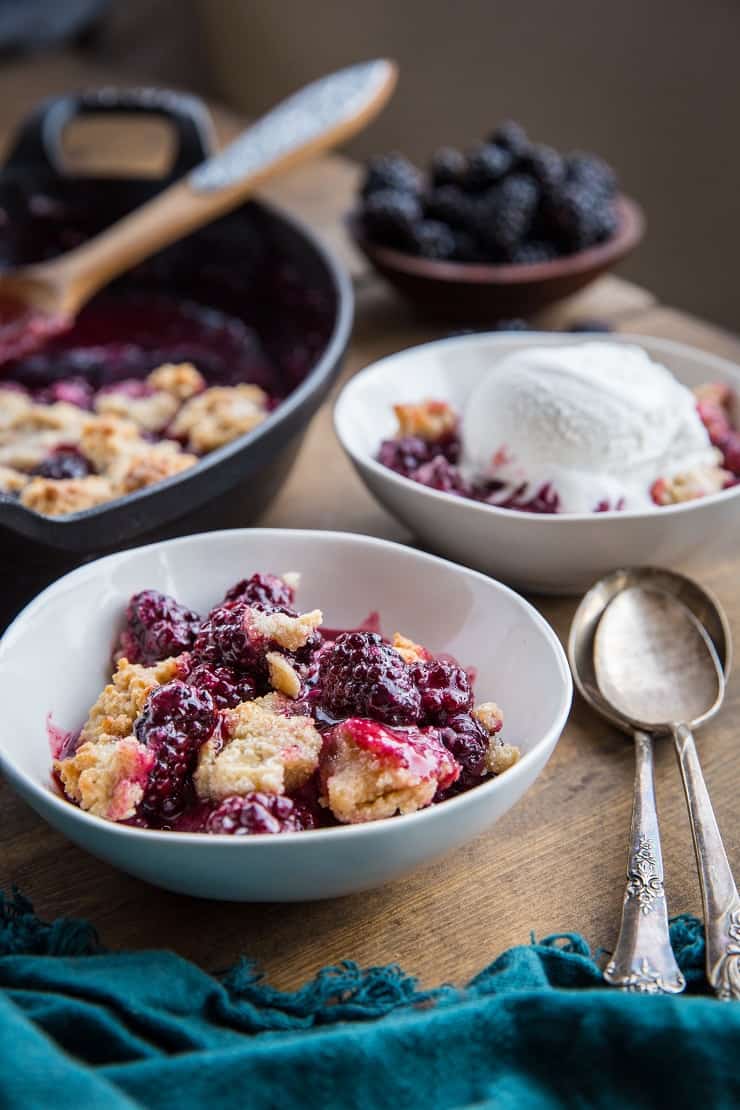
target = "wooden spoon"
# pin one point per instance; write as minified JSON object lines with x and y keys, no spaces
{"x":40,"y":300}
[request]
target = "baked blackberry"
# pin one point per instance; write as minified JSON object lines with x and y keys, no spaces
{"x":266,"y":591}
{"x":391,"y":171}
{"x":512,"y":137}
{"x":467,"y":248}
{"x":505,"y":213}
{"x":440,"y":474}
{"x":445,"y":690}
{"x":249,"y":814}
{"x":157,"y":627}
{"x":448,"y":167}
{"x":405,"y":455}
{"x":434,"y":239}
{"x":362,"y":675}
{"x":391,"y":217}
{"x":64,"y":462}
{"x":487,"y":164}
{"x":467,"y":741}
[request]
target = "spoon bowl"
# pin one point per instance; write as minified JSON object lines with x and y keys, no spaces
{"x":581,"y":641}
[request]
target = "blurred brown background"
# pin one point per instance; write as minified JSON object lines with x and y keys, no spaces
{"x":652,"y":85}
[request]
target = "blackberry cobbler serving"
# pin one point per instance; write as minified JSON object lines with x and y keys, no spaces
{"x":258,"y":719}
{"x":588,"y":428}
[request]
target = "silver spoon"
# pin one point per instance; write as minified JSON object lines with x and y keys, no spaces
{"x":643,"y":959}
{"x":656,"y":665}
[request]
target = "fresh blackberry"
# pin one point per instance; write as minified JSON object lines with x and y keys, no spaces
{"x":592,"y":172}
{"x":534,"y":251}
{"x":176,"y":721}
{"x":445,"y":690}
{"x":362,"y":676}
{"x":546,"y":166}
{"x":447,"y":167}
{"x":391,"y":217}
{"x":512,"y":137}
{"x":452,"y":206}
{"x":249,"y":814}
{"x":157,"y":627}
{"x":467,"y":741}
{"x":433,"y":239}
{"x":266,"y":591}
{"x":505,"y":212}
{"x":64,"y":462}
{"x":391,"y":171}
{"x":579,"y":217}
{"x":487,"y":164}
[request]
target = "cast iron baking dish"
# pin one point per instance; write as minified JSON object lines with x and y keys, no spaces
{"x":256,"y":264}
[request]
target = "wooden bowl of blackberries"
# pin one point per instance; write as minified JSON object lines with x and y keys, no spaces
{"x":500,"y":231}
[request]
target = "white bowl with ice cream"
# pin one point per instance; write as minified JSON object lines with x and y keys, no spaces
{"x":601,"y":441}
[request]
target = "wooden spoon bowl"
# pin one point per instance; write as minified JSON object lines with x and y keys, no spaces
{"x":474,"y":293}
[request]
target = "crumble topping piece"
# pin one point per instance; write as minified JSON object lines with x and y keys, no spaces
{"x":283,"y":676}
{"x":11,"y":480}
{"x":218,"y":415}
{"x":105,"y":438}
{"x":369,"y":771}
{"x":122,"y":700}
{"x":29,"y":432}
{"x":181,"y":379}
{"x":59,"y":496}
{"x":699,"y":482}
{"x":292,"y":579}
{"x":151,"y":412}
{"x":263,"y":751}
{"x":290,"y":633}
{"x":107,"y":779}
{"x":429,"y":420}
{"x":408,"y":650}
{"x":13,"y":406}
{"x":499,"y":756}
{"x":151,"y":464}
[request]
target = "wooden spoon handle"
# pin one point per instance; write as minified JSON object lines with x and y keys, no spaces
{"x":316,"y":118}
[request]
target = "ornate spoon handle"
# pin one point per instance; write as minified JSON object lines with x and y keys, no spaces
{"x":643,"y":959}
{"x":719,"y":893}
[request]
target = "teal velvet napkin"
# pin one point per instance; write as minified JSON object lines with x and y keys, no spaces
{"x":82,"y":1028}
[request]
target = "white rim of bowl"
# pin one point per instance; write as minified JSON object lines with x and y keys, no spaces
{"x":14,"y":774}
{"x":551,"y":519}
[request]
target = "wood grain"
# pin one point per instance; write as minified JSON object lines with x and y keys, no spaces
{"x":556,"y":862}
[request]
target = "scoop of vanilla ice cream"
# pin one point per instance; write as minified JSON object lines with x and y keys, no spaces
{"x":599,"y":421}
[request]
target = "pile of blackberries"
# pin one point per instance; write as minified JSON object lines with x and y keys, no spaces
{"x":508,"y":200}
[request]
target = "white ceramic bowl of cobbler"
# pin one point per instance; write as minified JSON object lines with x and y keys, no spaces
{"x":56,"y":658}
{"x":563,"y":552}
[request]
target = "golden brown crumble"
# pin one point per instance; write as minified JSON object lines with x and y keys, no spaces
{"x":181,"y":379}
{"x":263,"y":750}
{"x":283,"y":675}
{"x":290,"y":633}
{"x":218,"y":415}
{"x":429,"y":420}
{"x":361,"y":786}
{"x":499,"y":756}
{"x":59,"y":496}
{"x":107,"y":779}
{"x":489,"y":715}
{"x":699,"y":482}
{"x":152,"y":413}
{"x":11,"y":480}
{"x":105,"y":438}
{"x":408,"y":650}
{"x":122,"y":700}
{"x":153,"y":463}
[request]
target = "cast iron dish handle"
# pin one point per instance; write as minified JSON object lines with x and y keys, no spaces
{"x":39,"y":142}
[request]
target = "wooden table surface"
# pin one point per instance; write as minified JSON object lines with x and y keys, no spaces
{"x":555,"y":862}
